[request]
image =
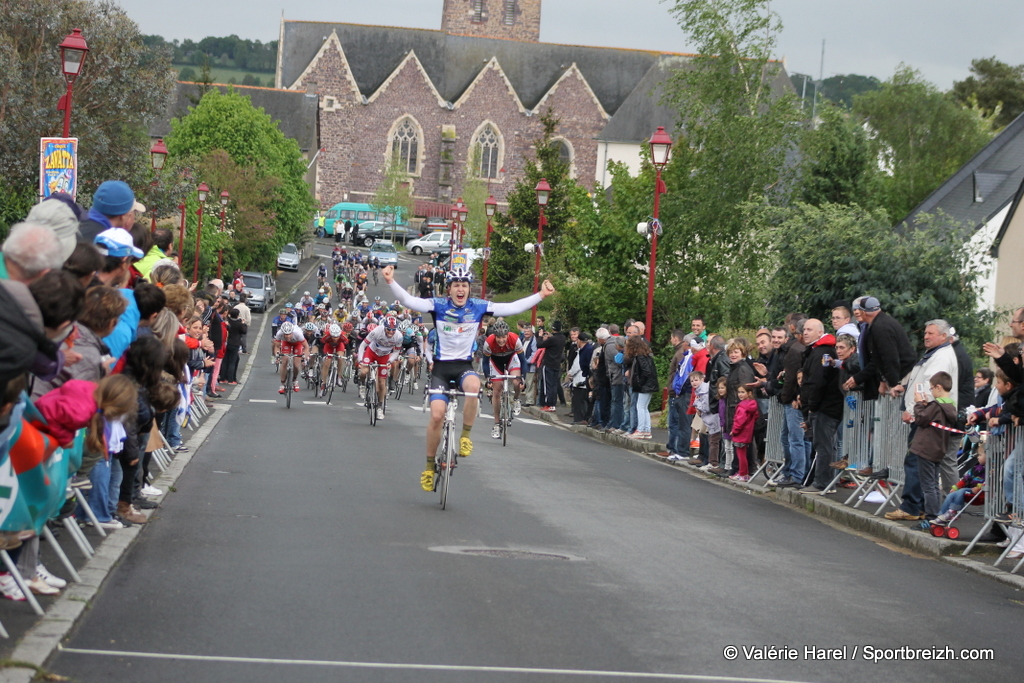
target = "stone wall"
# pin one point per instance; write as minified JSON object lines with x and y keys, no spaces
{"x":510,"y":19}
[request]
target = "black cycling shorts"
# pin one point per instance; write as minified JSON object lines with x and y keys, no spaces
{"x":449,"y":374}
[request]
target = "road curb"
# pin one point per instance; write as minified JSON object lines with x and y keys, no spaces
{"x":830,"y":511}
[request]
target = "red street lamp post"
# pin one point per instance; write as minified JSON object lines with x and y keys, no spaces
{"x":72,"y":57}
{"x":543,"y":191}
{"x":660,"y":144}
{"x":202,"y":191}
{"x":490,"y":206}
{"x":224,"y":197}
{"x":157,"y":156}
{"x":463,"y":214}
{"x":181,"y":235}
{"x":455,"y":226}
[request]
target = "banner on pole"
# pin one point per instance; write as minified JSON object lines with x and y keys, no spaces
{"x":58,"y":166}
{"x":460,"y":259}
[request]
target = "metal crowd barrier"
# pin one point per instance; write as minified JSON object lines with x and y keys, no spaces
{"x":775,"y":454}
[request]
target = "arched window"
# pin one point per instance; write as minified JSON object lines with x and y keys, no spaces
{"x":488,"y":143}
{"x":405,"y":146}
{"x":565,"y":153}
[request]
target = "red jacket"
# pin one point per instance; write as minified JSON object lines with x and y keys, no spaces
{"x":743,"y":422}
{"x":700,"y":361}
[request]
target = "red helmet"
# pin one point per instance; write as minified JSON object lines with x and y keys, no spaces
{"x":390,"y":323}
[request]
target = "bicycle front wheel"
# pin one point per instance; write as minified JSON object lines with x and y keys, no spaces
{"x":288,"y":379}
{"x":448,"y":459}
{"x":371,"y":401}
{"x":332,"y":379}
{"x":400,"y":384}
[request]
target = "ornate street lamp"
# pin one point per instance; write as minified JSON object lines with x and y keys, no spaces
{"x":543,"y":191}
{"x":203,"y":190}
{"x":224,"y":198}
{"x":157,"y":157}
{"x":490,"y":207}
{"x":661,"y":145}
{"x":72,"y":57}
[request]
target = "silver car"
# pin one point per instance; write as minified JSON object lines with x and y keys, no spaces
{"x":260,"y":290}
{"x":289,"y":257}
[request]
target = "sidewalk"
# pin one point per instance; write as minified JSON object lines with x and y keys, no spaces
{"x":830,"y":509}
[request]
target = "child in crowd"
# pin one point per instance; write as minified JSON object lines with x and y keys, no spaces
{"x":742,"y":432}
{"x":930,"y":441}
{"x":701,"y":406}
{"x":116,"y":402}
{"x":970,"y":490}
{"x":726,"y":438}
{"x":993,"y":415}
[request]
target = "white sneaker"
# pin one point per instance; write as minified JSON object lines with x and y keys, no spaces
{"x":112,"y":524}
{"x":9,"y":588}
{"x":50,"y":579}
{"x":380,"y":413}
{"x":150,"y":490}
{"x":40,"y":587}
{"x":496,"y":432}
{"x":362,"y":391}
{"x":517,"y":407}
{"x":415,"y":385}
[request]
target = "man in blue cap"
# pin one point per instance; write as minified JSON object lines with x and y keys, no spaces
{"x":119,"y":251}
{"x":113,"y":206}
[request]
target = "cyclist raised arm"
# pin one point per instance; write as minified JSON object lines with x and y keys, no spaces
{"x":456,"y":318}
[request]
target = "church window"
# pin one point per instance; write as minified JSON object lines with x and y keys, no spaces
{"x":487,"y":141}
{"x":510,"y":12}
{"x":405,"y":146}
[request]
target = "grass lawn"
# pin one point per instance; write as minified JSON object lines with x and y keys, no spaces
{"x":222,"y":75}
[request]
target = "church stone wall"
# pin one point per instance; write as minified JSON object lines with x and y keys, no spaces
{"x":487,"y":18}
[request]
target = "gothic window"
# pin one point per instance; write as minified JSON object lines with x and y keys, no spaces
{"x":509,"y":15}
{"x":405,"y":146}
{"x":488,"y":144}
{"x":478,"y":11}
{"x":565,"y":153}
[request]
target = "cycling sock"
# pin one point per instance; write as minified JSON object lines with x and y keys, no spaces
{"x":466,"y":429}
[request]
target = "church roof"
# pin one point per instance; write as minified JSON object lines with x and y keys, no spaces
{"x":295,"y":112}
{"x":453,"y":61}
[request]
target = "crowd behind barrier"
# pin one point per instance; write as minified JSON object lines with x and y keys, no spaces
{"x":108,"y":354}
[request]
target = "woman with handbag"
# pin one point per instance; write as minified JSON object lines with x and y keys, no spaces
{"x":643,"y":379}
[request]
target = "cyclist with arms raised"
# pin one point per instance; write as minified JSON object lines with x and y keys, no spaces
{"x":456,"y":318}
{"x":502,"y":348}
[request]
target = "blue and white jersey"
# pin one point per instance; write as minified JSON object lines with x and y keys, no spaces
{"x":457,"y":328}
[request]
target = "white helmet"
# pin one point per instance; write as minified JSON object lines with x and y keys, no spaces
{"x":305,"y":293}
{"x":334,"y":330}
{"x":287,"y":328}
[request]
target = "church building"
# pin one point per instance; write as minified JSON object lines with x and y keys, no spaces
{"x":469,"y":94}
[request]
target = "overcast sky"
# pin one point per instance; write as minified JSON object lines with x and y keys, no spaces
{"x":868,"y":37}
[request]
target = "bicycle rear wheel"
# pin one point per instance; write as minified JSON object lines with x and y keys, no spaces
{"x":371,"y":400}
{"x":447,"y":463}
{"x":288,"y":380}
{"x":400,"y":383}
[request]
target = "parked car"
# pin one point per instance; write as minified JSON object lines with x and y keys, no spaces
{"x":371,"y":231}
{"x":439,"y":241}
{"x":432,"y":224}
{"x":289,"y":257}
{"x":385,"y":252}
{"x":260,"y":290}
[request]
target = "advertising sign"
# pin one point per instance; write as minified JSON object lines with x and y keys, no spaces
{"x":460,"y":259}
{"x":58,"y":166}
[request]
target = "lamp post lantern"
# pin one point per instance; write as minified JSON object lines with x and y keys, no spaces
{"x":73,"y":50}
{"x":224,"y":197}
{"x":543,"y":191}
{"x":661,"y":145}
{"x":490,"y":207}
{"x":203,"y":190}
{"x":157,"y":157}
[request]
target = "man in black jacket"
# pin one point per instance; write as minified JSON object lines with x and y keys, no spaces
{"x":553,"y":344}
{"x":887,"y":351}
{"x":795,"y":447}
{"x":822,"y":398}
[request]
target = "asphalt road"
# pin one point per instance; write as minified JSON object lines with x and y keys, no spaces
{"x":298,"y":546}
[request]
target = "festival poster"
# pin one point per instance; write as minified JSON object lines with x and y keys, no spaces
{"x":58,"y":166}
{"x":460,"y":259}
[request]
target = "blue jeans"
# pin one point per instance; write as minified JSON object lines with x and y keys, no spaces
{"x":615,"y":419}
{"x":630,"y":422}
{"x":114,"y":492}
{"x":170,"y":428}
{"x":603,"y":406}
{"x":643,"y":423}
{"x":673,"y":425}
{"x":913,"y":496}
{"x":796,"y":457}
{"x":1010,"y":473}
{"x":99,"y":494}
{"x":956,"y":500}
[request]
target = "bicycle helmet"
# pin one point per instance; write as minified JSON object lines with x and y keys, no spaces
{"x":289,"y":305}
{"x":334,"y":330}
{"x":306,"y":293}
{"x":287,"y":329}
{"x":403,"y":325}
{"x":347,"y":327}
{"x":321,"y":290}
{"x":499,"y":328}
{"x":371,"y":327}
{"x":376,"y":299}
{"x":309,"y":327}
{"x":321,"y":307}
{"x":458,"y":275}
{"x":390,"y":323}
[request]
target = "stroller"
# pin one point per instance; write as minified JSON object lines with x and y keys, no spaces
{"x":971,"y":446}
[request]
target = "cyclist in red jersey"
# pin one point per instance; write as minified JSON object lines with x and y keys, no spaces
{"x":502,"y":348}
{"x":333,"y":341}
{"x":290,"y":340}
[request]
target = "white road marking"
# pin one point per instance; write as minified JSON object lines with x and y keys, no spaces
{"x":262,"y":400}
{"x":315,"y":403}
{"x":425,"y":667}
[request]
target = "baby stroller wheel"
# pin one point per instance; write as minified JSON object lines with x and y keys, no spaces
{"x":938,"y":530}
{"x":952,"y":533}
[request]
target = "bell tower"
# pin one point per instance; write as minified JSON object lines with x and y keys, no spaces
{"x":509,"y":19}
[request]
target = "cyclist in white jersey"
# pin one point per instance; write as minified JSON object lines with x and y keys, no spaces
{"x":456,"y":319}
{"x":383,"y":345}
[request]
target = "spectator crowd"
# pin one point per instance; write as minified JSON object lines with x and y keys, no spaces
{"x":105,"y":348}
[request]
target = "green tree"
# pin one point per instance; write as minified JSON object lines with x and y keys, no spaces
{"x":187,"y":74}
{"x":918,"y":275}
{"x":229,"y":122}
{"x":739,"y":125}
{"x":996,"y":87}
{"x":922,"y":136}
{"x":511,"y":267}
{"x":123,"y":85}
{"x":840,"y":88}
{"x":839,"y":166}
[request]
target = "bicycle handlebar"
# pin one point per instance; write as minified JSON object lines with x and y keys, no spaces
{"x":457,"y":392}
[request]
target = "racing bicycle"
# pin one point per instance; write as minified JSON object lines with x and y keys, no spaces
{"x":289,"y":377}
{"x":372,"y":400}
{"x":448,"y":455}
{"x":505,"y":415}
